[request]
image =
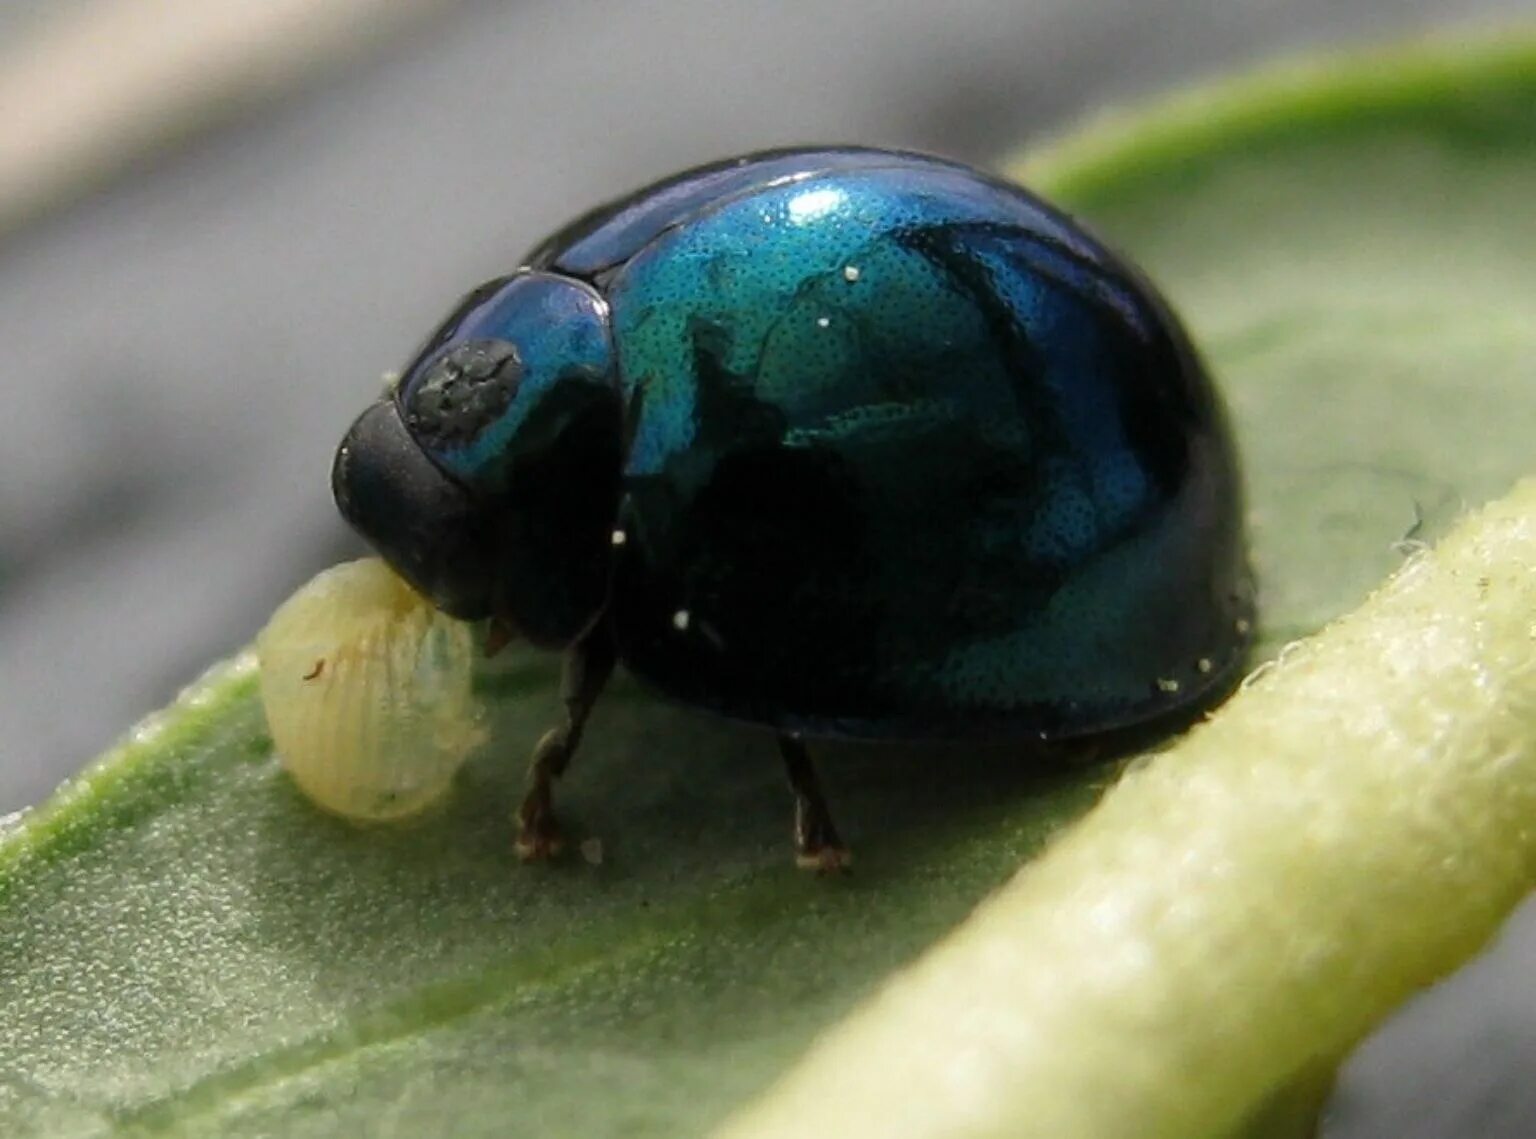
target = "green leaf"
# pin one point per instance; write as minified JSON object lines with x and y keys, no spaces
{"x":189,"y":948}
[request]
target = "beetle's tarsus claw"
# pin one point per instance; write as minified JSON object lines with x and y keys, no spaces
{"x":539,"y":837}
{"x":826,"y":860}
{"x":539,"y":842}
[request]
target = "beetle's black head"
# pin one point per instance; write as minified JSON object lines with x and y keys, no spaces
{"x":429,"y":528}
{"x":488,"y":478}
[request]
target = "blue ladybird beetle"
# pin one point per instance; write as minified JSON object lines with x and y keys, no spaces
{"x":844,"y":442}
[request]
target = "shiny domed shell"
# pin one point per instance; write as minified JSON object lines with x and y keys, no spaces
{"x":367,"y":692}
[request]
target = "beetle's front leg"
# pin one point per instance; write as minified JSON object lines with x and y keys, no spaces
{"x":588,"y":665}
{"x":817,"y":845}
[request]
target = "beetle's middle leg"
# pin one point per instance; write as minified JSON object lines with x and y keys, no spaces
{"x":817,"y":845}
{"x":587,"y":667}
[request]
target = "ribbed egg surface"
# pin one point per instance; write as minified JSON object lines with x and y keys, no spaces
{"x":367,"y":692}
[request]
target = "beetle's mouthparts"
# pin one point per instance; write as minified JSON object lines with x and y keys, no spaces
{"x":498,"y":635}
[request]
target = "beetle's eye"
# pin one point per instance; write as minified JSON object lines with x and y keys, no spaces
{"x":462,"y":393}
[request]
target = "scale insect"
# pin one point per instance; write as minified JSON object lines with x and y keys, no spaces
{"x":367,"y":692}
{"x":847,"y":443}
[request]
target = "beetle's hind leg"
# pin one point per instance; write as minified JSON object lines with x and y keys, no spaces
{"x":588,"y":665}
{"x":817,"y":844}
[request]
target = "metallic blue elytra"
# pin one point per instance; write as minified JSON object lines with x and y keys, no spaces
{"x":845,"y":442}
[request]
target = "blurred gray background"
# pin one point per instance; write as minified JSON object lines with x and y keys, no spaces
{"x":184,"y":343}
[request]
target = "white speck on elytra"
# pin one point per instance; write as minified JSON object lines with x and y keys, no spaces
{"x":1167,"y":684}
{"x":619,"y":537}
{"x":680,"y":620}
{"x":823,"y":321}
{"x":850,"y":272}
{"x":1204,"y":664}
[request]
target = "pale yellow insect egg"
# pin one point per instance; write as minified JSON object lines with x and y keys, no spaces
{"x":367,"y":692}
